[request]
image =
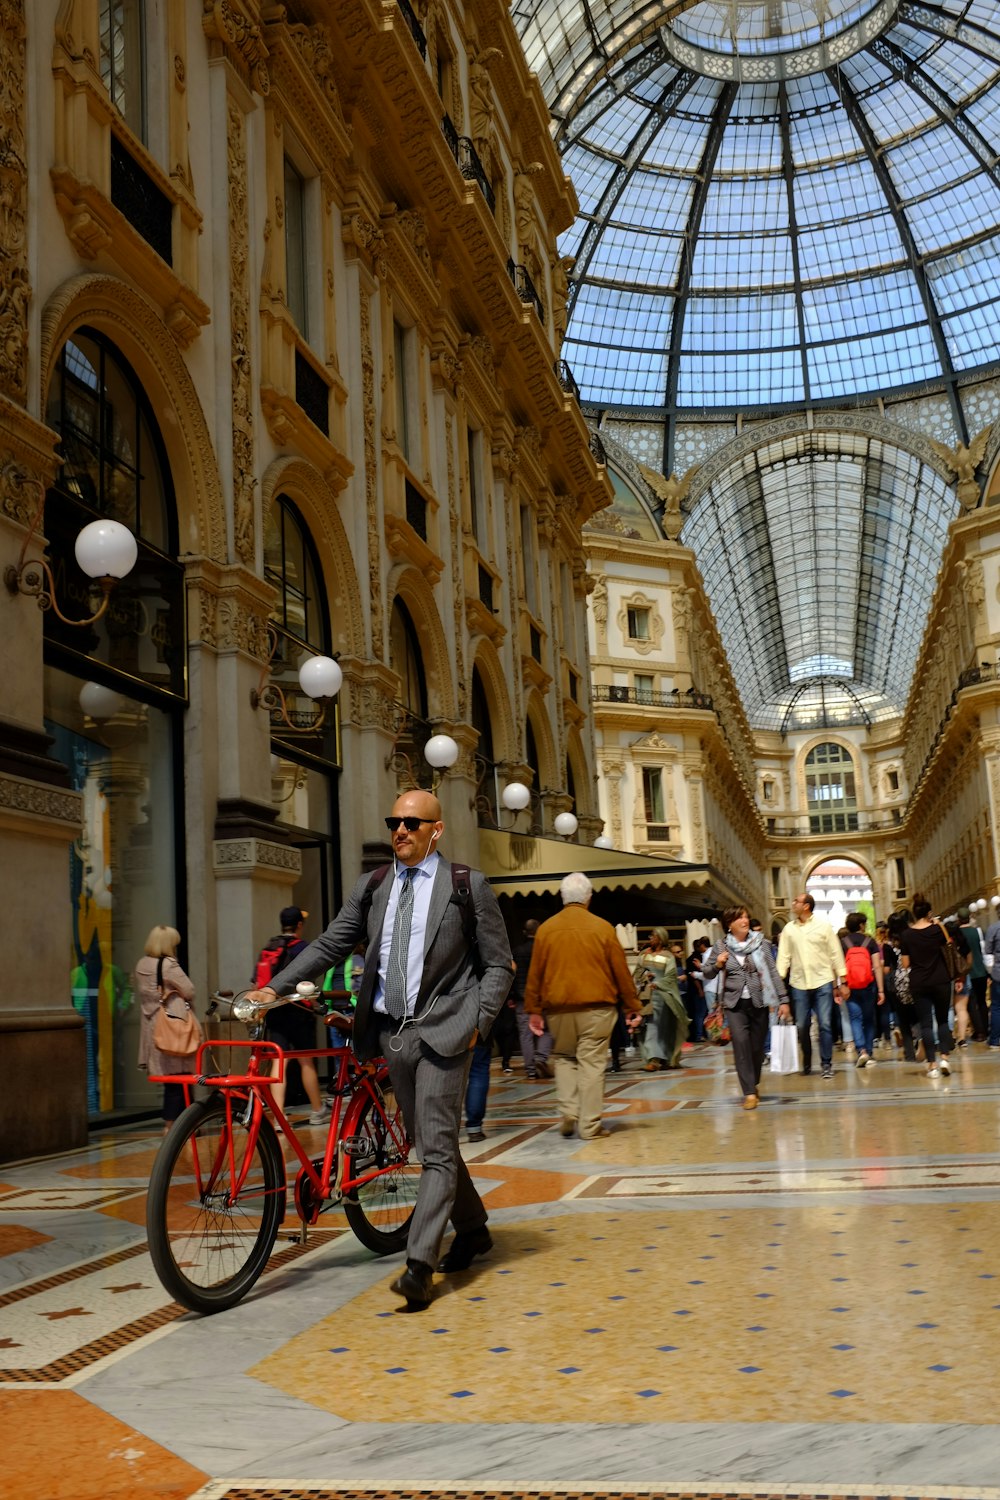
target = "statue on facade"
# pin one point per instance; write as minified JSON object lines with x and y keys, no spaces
{"x":962,"y":463}
{"x":671,"y":491}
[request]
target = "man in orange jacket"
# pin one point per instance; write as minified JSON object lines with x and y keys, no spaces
{"x":577,"y":977}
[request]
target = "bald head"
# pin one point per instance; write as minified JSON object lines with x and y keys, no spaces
{"x":411,"y":846}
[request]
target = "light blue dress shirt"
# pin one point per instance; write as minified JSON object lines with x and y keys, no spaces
{"x":423,"y":884}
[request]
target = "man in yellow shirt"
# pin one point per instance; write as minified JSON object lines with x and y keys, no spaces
{"x":811,"y":960}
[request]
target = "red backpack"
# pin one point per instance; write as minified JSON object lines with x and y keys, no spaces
{"x":858,"y":961}
{"x":273,"y":956}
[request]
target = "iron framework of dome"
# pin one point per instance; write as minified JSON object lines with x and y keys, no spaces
{"x":780,"y":203}
{"x":790,"y":206}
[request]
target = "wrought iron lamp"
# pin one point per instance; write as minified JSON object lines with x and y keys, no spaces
{"x":320,"y":678}
{"x":105,"y":550}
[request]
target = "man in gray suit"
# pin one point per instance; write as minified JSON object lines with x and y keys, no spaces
{"x":427,"y":993}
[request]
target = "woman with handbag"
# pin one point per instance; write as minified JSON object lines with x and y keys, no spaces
{"x":928,"y":956}
{"x":749,"y":983}
{"x":167,"y":1019}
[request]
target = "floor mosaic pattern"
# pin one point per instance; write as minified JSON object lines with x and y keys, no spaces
{"x":800,"y":1301}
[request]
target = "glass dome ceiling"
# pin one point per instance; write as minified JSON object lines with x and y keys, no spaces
{"x":780,"y":202}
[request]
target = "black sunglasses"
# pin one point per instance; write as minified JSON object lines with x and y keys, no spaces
{"x":410,"y":824}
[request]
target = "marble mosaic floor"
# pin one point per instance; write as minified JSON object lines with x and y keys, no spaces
{"x":802,"y":1301}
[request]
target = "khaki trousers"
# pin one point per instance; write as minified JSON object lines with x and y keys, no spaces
{"x":580,"y":1053}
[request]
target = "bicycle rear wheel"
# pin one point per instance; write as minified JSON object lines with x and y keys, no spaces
{"x":379,"y":1210}
{"x":207,"y":1249}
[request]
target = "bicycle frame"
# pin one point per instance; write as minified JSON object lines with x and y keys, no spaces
{"x":248,"y":1097}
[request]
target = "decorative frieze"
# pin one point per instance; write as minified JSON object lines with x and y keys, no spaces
{"x":242,"y":857}
{"x":37,"y":800}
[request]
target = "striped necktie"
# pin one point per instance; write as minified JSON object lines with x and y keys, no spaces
{"x":399,"y":949}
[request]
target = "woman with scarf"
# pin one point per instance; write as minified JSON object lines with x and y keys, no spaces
{"x":668,"y":1025}
{"x":749,"y":984}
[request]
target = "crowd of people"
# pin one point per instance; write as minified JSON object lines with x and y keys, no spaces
{"x":420,"y":955}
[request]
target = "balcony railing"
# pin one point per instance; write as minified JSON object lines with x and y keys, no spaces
{"x":464,"y":151}
{"x":312,"y":393}
{"x":525,"y":287}
{"x":485,"y":587}
{"x":598,"y":449}
{"x":855,"y":825}
{"x":416,"y":510}
{"x":566,"y":378}
{"x":415,"y":28}
{"x":646,"y":698}
{"x":146,"y":207}
{"x":984,"y":671}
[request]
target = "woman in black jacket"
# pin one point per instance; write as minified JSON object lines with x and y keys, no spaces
{"x":922,"y":948}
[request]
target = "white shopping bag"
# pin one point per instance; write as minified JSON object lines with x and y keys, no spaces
{"x":784,"y":1049}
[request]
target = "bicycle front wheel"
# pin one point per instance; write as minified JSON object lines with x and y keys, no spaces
{"x":380,"y":1207}
{"x":214,"y":1207}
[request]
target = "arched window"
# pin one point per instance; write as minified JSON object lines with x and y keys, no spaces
{"x":304,"y":789}
{"x":531,"y":756}
{"x":405,"y":659}
{"x":412,"y":727}
{"x":487,"y":791}
{"x":114,"y":694}
{"x":301,"y":622}
{"x":831,"y":794}
{"x":290,"y":564}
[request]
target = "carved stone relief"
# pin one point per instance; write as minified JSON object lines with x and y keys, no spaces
{"x":371,"y":474}
{"x":15,"y":287}
{"x":244,"y":479}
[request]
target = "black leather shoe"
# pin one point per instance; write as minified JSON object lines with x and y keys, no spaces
{"x":464,"y":1248}
{"x":416,"y":1283}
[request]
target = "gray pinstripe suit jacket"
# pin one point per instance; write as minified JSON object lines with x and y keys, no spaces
{"x":451,"y":1002}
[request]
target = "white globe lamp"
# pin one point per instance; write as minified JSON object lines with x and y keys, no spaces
{"x":995,"y":901}
{"x":320,"y":677}
{"x":515,"y":796}
{"x":106,"y":549}
{"x":603,"y":842}
{"x":441,"y":751}
{"x":100,"y":702}
{"x":566,"y":824}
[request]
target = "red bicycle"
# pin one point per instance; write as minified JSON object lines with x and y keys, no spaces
{"x":218,"y":1193}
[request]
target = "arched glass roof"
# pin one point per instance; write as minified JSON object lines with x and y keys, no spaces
{"x":781,"y":202}
{"x":820,"y":553}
